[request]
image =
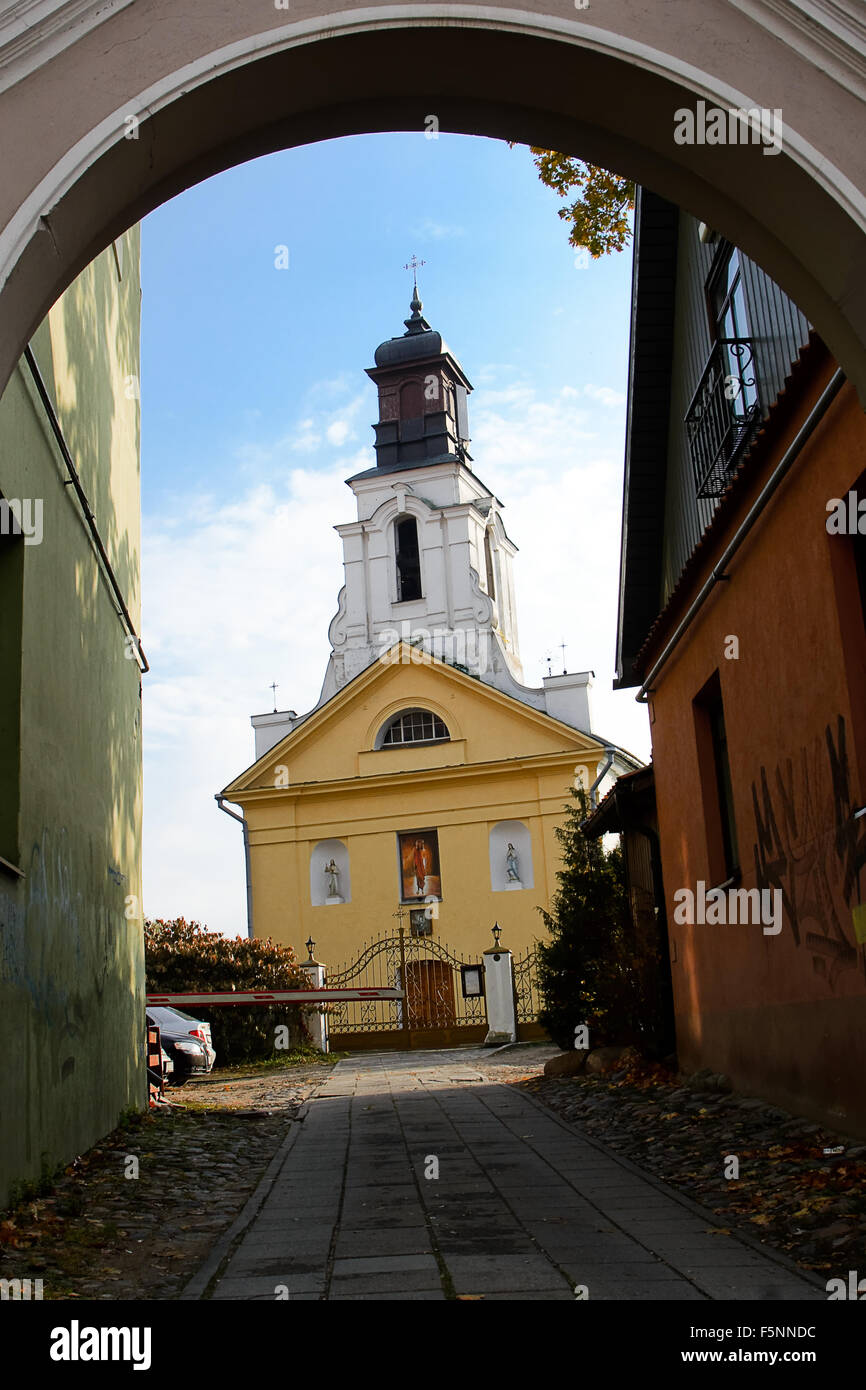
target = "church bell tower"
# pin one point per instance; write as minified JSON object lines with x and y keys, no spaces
{"x":428,"y":560}
{"x":423,"y":393}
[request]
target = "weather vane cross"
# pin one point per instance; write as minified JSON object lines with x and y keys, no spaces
{"x":414,"y":265}
{"x":274,"y":687}
{"x":562,"y":649}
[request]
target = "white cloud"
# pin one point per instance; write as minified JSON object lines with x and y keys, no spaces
{"x":605,"y":395}
{"x":437,"y":231}
{"x":338,"y":432}
{"x":306,"y":442}
{"x":237,"y":595}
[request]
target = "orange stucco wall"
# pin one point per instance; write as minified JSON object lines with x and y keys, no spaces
{"x":784,"y":1015}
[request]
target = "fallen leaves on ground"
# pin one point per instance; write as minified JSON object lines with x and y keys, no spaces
{"x":101,"y":1235}
{"x":790,"y":1170}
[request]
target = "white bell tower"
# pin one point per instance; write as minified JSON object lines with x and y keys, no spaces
{"x":428,"y":559}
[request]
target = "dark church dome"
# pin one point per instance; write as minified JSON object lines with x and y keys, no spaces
{"x":419,"y":340}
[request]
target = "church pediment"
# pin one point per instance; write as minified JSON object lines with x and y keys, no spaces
{"x":343,"y":739}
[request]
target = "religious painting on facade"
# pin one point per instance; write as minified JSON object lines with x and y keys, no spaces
{"x":419,"y":865}
{"x":421,"y":921}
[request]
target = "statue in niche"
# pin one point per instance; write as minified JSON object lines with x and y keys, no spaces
{"x":332,"y":874}
{"x":511,"y":864}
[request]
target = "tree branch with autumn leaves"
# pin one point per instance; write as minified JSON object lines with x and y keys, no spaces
{"x":599,"y":215}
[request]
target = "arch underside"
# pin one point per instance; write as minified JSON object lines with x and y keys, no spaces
{"x":792,"y":212}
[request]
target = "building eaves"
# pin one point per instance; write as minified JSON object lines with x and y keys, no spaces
{"x":651,"y":341}
{"x":607,"y":816}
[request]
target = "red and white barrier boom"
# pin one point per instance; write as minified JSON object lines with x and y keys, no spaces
{"x":276,"y":996}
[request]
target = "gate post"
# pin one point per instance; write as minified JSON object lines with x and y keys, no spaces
{"x":499,"y":989}
{"x":316,"y":1022}
{"x":404,"y":984}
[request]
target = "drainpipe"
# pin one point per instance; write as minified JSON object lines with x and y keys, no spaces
{"x":608,"y":763}
{"x":75,"y":481}
{"x":818,"y":411}
{"x":234,"y":815}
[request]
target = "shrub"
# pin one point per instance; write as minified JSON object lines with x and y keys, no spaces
{"x":184,"y":957}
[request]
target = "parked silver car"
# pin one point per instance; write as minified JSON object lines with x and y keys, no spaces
{"x":187,"y":1041}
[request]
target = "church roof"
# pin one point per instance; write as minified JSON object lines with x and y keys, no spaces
{"x":490,"y":717}
{"x":418,"y":342}
{"x":378,"y":469}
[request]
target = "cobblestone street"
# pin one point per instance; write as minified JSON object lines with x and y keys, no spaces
{"x":107,"y":1229}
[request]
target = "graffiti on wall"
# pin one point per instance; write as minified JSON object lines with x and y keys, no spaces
{"x":809,"y":845}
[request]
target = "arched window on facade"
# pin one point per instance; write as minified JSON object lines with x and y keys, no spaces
{"x":488,"y":560}
{"x":412,"y":726}
{"x":408,"y":559}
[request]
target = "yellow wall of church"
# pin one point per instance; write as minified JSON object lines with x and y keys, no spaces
{"x":503,"y":762}
{"x":462,"y":810}
{"x":340,"y":740}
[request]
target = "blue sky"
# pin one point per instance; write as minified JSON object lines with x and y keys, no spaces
{"x":255,"y":408}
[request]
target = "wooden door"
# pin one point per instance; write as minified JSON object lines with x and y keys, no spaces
{"x":430,"y":994}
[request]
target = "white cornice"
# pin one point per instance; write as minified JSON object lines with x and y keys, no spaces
{"x":830,"y":33}
{"x":32,"y":32}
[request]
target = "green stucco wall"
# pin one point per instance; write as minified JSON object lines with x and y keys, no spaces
{"x":71,"y":960}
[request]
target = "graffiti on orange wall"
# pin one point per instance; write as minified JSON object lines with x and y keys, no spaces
{"x":809,"y":845}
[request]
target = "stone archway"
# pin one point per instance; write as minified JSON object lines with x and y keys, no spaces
{"x":202,"y":90}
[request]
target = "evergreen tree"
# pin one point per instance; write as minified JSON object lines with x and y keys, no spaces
{"x":584,"y":972}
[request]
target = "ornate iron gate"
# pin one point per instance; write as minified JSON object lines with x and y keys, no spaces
{"x":433,"y":1011}
{"x":527,"y":996}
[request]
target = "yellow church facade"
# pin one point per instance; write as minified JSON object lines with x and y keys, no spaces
{"x":482,"y":795}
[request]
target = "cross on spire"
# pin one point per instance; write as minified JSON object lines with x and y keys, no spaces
{"x":562,"y":649}
{"x":414,"y":265}
{"x":274,"y":687}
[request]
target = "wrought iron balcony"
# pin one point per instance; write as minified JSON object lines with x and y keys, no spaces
{"x":723,"y":415}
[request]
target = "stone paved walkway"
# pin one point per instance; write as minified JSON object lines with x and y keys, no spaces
{"x":523,"y":1207}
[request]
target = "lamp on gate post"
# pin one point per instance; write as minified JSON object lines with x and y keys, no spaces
{"x":499,"y":992}
{"x":309,"y":943}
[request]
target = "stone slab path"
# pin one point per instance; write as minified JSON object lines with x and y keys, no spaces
{"x":523,"y":1206}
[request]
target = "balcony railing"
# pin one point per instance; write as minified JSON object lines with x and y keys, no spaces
{"x":723,"y":415}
